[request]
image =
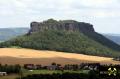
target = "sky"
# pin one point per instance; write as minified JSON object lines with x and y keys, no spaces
{"x":103,"y":14}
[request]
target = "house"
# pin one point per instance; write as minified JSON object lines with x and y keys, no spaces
{"x":38,"y":67}
{"x":52,"y":67}
{"x":29,"y":66}
{"x":3,"y":73}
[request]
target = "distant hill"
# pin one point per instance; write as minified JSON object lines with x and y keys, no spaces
{"x":113,"y":37}
{"x":8,"y":33}
{"x":66,"y":36}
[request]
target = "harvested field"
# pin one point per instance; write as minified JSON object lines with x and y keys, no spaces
{"x":30,"y":56}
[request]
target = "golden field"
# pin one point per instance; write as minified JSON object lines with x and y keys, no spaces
{"x":44,"y":57}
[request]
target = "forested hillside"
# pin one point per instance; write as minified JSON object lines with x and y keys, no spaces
{"x":60,"y":41}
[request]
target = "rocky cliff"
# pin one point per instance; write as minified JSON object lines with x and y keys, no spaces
{"x":69,"y":25}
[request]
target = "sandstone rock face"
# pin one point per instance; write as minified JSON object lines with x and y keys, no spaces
{"x":68,"y":25}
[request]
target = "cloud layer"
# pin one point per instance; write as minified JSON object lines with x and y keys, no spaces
{"x":103,"y":14}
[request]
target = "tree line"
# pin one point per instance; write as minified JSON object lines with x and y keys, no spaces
{"x":10,"y":68}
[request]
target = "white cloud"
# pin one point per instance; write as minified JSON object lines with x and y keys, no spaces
{"x":97,"y":3}
{"x":21,"y":12}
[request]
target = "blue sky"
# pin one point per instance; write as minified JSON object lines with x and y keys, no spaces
{"x":103,"y":14}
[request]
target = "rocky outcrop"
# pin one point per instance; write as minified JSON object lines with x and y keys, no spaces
{"x":68,"y":25}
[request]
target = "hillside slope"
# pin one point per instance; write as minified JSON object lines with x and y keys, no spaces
{"x":67,"y":36}
{"x":115,"y":38}
{"x":8,"y":33}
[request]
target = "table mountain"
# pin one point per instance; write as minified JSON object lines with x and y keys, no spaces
{"x":67,"y":36}
{"x":71,"y":25}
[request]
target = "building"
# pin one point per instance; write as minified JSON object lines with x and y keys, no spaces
{"x":3,"y":73}
{"x":52,"y":67}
